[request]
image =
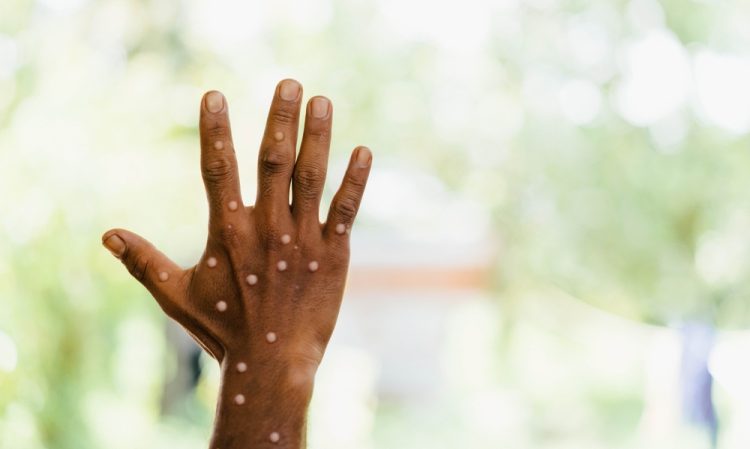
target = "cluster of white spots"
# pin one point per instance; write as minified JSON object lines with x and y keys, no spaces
{"x":278,"y":136}
{"x":271,"y":337}
{"x":211,"y":262}
{"x":221,"y":306}
{"x":251,"y":279}
{"x":285,"y":239}
{"x":281,"y":265}
{"x":313,"y":266}
{"x":233,"y":205}
{"x":274,"y":437}
{"x":340,"y":228}
{"x":239,"y":399}
{"x":219,"y":145}
{"x":163,"y":276}
{"x":241,"y":367}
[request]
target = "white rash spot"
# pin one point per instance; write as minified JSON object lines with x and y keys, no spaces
{"x":271,"y":337}
{"x":313,"y":266}
{"x":219,"y":145}
{"x":251,"y":279}
{"x":233,"y":205}
{"x":241,"y":367}
{"x":340,"y":228}
{"x":211,"y":262}
{"x":274,"y":437}
{"x":285,"y":239}
{"x":221,"y":306}
{"x":281,"y":265}
{"x":163,"y":276}
{"x":278,"y":136}
{"x":239,"y":399}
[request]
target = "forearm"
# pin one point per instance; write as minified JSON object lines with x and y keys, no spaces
{"x":263,"y":405}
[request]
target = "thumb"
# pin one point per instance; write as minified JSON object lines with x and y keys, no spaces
{"x":162,"y":277}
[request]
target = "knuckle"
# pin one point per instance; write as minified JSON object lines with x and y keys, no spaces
{"x":269,"y":235}
{"x":338,"y":258}
{"x":215,"y":132}
{"x":274,"y":162}
{"x":354,"y":182}
{"x":308,"y":179}
{"x":138,"y":265}
{"x":346,"y":208}
{"x":228,"y":235}
{"x":283,"y":116}
{"x":217,"y":170}
{"x":213,"y":128}
{"x":318,"y":132}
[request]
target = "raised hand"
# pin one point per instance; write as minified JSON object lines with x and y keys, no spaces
{"x":264,"y":297}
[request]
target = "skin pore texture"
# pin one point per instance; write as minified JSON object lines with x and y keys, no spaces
{"x":264,"y":297}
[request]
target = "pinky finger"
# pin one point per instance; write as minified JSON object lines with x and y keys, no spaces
{"x":346,"y":202}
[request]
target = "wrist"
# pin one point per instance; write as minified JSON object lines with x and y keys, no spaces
{"x":263,"y":403}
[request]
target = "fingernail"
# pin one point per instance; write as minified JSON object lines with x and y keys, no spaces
{"x":364,"y":157}
{"x":214,"y":101}
{"x":115,"y":245}
{"x":320,"y":107}
{"x":289,"y":90}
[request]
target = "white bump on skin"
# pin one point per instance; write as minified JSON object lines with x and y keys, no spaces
{"x":211,"y":262}
{"x":239,"y":399}
{"x":221,"y":306}
{"x":278,"y":136}
{"x":285,"y":239}
{"x":340,"y":228}
{"x":241,"y":367}
{"x":219,"y":145}
{"x":274,"y":437}
{"x":271,"y":337}
{"x":163,"y":276}
{"x":233,"y":205}
{"x":313,"y":266}
{"x":251,"y":279}
{"x":281,"y":265}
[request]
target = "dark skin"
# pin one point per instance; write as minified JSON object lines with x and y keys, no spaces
{"x":264,"y":297}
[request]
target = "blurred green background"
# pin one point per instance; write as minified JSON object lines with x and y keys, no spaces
{"x":552,"y":253}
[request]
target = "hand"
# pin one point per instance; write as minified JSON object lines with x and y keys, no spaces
{"x":264,"y":297}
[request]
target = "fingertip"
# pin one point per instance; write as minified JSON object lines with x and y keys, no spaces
{"x":362,"y":156}
{"x":214,"y":101}
{"x":107,"y":234}
{"x":320,"y":107}
{"x":289,"y":89}
{"x":114,"y":243}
